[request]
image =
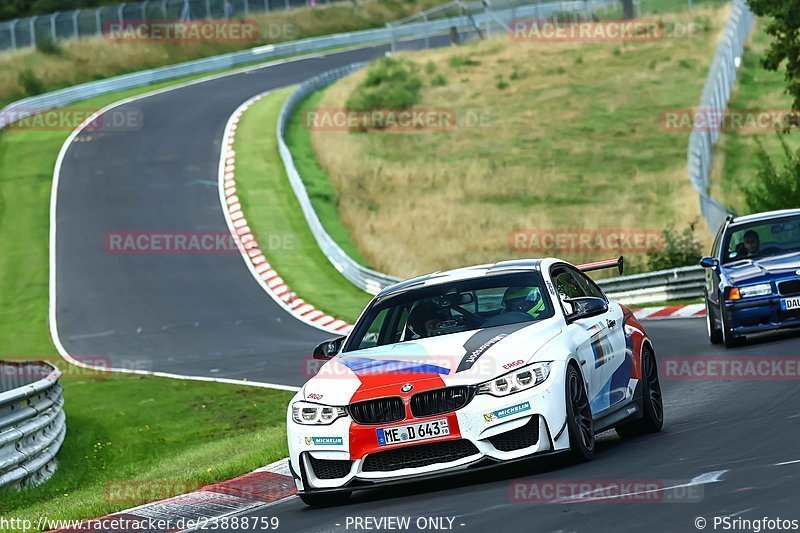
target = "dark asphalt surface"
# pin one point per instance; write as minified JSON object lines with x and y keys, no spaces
{"x":743,"y":428}
{"x":206,"y":315}
{"x":195,"y":314}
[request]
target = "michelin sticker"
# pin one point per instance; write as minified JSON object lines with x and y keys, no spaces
{"x":507,"y":411}
{"x":324,"y":441}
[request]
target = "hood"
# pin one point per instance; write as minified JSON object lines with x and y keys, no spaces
{"x":784,"y":265}
{"x":457,"y":359}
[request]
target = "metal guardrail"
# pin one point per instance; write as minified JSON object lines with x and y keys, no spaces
{"x":32,"y":422}
{"x":716,"y":93}
{"x":662,"y":286}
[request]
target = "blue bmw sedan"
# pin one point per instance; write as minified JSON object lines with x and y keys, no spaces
{"x":753,"y":276}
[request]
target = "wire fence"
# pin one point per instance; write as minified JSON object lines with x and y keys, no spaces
{"x":716,"y":93}
{"x":81,"y":23}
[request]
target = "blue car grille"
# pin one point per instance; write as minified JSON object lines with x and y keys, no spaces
{"x":789,"y":288}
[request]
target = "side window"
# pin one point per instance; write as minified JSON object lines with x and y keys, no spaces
{"x":588,"y":286}
{"x":566,"y":287}
{"x":717,"y":241}
{"x":490,"y":300}
{"x":371,"y":337}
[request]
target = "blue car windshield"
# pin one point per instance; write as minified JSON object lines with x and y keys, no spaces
{"x":762,"y":239}
{"x":455,"y":307}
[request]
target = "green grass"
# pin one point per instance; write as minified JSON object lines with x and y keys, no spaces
{"x":143,"y":429}
{"x":735,"y":163}
{"x":158,"y":429}
{"x":272,"y":209}
{"x":324,"y":196}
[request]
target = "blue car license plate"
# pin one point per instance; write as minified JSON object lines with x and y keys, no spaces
{"x":787,"y":304}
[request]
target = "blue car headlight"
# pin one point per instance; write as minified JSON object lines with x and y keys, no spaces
{"x":751,"y":291}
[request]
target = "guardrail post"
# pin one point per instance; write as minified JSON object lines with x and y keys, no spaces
{"x":33,"y":30}
{"x":208,"y":9}
{"x":53,"y":26}
{"x":144,"y":9}
{"x":120,"y":15}
{"x":246,"y":8}
{"x":13,"y":29}
{"x":75,"y":29}
{"x":98,"y":21}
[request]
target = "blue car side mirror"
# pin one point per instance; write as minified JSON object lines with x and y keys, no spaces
{"x":709,"y":262}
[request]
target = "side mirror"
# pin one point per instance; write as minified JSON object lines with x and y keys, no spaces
{"x":709,"y":262}
{"x":328,"y":349}
{"x":586,"y":307}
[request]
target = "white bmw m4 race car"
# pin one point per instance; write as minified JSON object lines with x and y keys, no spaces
{"x":470,"y":368}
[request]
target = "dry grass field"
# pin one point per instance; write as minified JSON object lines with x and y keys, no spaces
{"x":549,"y":136}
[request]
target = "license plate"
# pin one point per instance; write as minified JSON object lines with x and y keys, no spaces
{"x":413,"y":432}
{"x":787,"y":304}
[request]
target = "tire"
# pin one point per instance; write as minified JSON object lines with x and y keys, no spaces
{"x":714,"y":333}
{"x":652,"y":403}
{"x":324,"y":499}
{"x":579,"y":417}
{"x":728,"y":338}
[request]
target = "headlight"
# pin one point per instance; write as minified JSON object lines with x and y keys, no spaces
{"x":311,"y":414}
{"x":518,"y":380}
{"x":762,"y":289}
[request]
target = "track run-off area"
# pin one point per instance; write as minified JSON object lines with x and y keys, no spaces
{"x":729,"y":445}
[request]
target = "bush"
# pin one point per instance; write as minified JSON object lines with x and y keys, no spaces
{"x":461,"y":61}
{"x":774,"y":188}
{"x":30,"y":83}
{"x":438,"y":81}
{"x":390,"y":84}
{"x":47,"y":45}
{"x":680,"y":249}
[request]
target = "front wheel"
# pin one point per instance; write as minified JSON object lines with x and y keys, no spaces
{"x":729,"y":339}
{"x":579,"y":417}
{"x":652,"y":404}
{"x":324,"y":499}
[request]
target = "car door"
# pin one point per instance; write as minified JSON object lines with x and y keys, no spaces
{"x":598,"y":341}
{"x":712,"y":274}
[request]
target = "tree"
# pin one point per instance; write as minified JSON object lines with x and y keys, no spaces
{"x":784,"y":27}
{"x":774,"y":188}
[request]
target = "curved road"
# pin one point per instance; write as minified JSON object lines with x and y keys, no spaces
{"x":206,"y":315}
{"x":192,"y":314}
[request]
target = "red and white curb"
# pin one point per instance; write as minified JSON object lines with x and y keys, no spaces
{"x":671,"y":311}
{"x":206,"y":508}
{"x":253,"y":256}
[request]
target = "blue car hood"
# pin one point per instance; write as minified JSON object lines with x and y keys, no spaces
{"x":755,"y":270}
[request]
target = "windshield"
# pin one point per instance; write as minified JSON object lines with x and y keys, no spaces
{"x":453,"y":308}
{"x":762,"y":239}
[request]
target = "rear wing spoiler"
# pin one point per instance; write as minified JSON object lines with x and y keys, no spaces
{"x":602,"y":265}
